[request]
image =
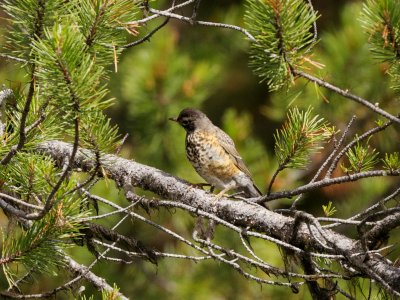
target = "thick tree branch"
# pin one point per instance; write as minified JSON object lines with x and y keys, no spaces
{"x":244,"y":214}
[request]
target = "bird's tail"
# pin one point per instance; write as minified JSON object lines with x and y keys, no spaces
{"x":251,"y":191}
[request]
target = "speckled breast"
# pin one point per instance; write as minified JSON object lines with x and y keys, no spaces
{"x":208,"y":157}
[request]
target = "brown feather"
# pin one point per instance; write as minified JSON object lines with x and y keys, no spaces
{"x":229,"y":146}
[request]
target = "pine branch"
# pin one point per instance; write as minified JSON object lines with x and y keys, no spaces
{"x":282,"y":36}
{"x":381,"y":20}
{"x":236,"y":212}
{"x":36,"y":34}
{"x":300,"y":136}
{"x":76,"y":108}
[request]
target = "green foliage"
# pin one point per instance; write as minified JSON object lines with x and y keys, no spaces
{"x":361,"y":158}
{"x":40,"y":106}
{"x":27,"y":21}
{"x":381,"y":20}
{"x":68,"y":74}
{"x":111,"y":295}
{"x":391,"y":161}
{"x":300,"y":136}
{"x":40,"y":247}
{"x":64,"y":45}
{"x":98,"y":133}
{"x":31,"y":176}
{"x":156,"y":81}
{"x":283,"y":33}
{"x":98,"y":22}
{"x":342,"y":49}
{"x":329,"y":210}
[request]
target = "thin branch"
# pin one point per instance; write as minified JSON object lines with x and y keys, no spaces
{"x":42,"y":117}
{"x":326,"y":182}
{"x":342,"y":221}
{"x":143,"y":219}
{"x":76,"y":120}
{"x":237,"y":267}
{"x":315,"y":29}
{"x":145,"y":20}
{"x":10,"y":57}
{"x":22,"y":130}
{"x":203,"y":23}
{"x":328,"y":160}
{"x":352,"y":143}
{"x":335,"y":150}
{"x":147,"y":36}
{"x":195,"y":9}
{"x":21,"y":202}
{"x":156,"y":253}
{"x":348,"y":95}
{"x":368,"y":210}
{"x":106,"y":215}
{"x":280,"y":168}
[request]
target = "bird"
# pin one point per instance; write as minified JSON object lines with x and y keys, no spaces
{"x":213,"y":155}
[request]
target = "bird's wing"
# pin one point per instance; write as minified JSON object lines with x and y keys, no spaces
{"x":229,"y":146}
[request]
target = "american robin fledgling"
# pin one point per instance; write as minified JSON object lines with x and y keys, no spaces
{"x":213,"y":154}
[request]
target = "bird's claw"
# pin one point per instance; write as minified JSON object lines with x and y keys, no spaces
{"x":200,"y":185}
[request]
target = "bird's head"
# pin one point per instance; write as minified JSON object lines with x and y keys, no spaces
{"x":191,"y":119}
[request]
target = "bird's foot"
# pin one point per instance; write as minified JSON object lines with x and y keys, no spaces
{"x":200,"y":185}
{"x":238,"y":195}
{"x":222,"y":194}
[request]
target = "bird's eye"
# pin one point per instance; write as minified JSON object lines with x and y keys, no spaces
{"x":185,"y":122}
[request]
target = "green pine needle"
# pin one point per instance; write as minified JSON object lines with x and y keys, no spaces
{"x":391,"y":161}
{"x":381,"y":20}
{"x":301,"y":136}
{"x":361,"y":158}
{"x":329,"y":210}
{"x":283,"y":32}
{"x":40,"y":247}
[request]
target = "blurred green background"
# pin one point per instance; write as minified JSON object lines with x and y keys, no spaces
{"x":207,"y":68}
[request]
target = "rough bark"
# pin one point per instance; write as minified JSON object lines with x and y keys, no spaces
{"x":129,"y":174}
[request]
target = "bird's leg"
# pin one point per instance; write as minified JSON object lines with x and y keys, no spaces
{"x":222,"y":193}
{"x":200,"y":185}
{"x":236,"y":195}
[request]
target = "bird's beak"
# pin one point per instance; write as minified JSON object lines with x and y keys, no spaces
{"x":173,"y":119}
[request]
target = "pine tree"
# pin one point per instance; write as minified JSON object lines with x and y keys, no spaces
{"x":54,"y":127}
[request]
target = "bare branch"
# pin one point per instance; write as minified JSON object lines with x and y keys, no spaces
{"x":348,"y":95}
{"x":147,"y":36}
{"x":145,"y":20}
{"x":10,"y":57}
{"x":203,"y":23}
